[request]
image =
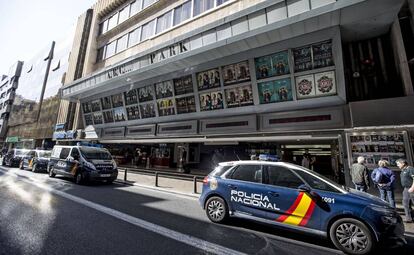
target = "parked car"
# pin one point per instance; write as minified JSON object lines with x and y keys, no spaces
{"x":83,"y":163}
{"x":295,"y":198}
{"x":36,"y":160}
{"x":13,"y":157}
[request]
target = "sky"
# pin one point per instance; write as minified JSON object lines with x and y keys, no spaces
{"x":28,"y":26}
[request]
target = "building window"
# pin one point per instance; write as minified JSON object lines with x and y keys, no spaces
{"x":122,"y":43}
{"x":101,"y":54}
{"x":113,"y":21}
{"x":123,"y":14}
{"x":219,"y":2}
{"x":164,"y":22}
{"x":110,"y":49}
{"x":201,"y":6}
{"x":136,"y":7}
{"x":182,"y":13}
{"x":148,"y":30}
{"x":103,"y":27}
{"x":134,"y":37}
{"x":148,"y":3}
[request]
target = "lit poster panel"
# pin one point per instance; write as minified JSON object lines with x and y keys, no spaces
{"x":106,"y":103}
{"x":211,"y":101}
{"x":131,"y":97}
{"x":96,"y":105}
{"x":147,"y":110}
{"x":316,"y":85}
{"x":26,"y":105}
{"x":208,"y":79}
{"x":322,"y":54}
{"x":119,"y":114}
{"x":97,"y":118}
{"x":236,"y":73}
{"x":146,"y":94}
{"x":87,"y":107}
{"x":183,"y":85}
{"x":164,"y":89}
{"x":186,"y":105}
{"x":239,"y":96}
{"x":108,"y":116}
{"x":275,"y":91}
{"x":303,"y":58}
{"x":133,"y":112}
{"x":272,"y":65}
{"x":166,"y":107}
{"x":88,"y":119}
{"x":117,"y":100}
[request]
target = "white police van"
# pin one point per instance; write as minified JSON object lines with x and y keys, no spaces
{"x":83,"y":162}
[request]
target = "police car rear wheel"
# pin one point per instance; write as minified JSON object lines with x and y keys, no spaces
{"x":216,"y":209}
{"x":351,"y":236}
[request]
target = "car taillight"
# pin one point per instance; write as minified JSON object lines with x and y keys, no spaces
{"x":205,"y":180}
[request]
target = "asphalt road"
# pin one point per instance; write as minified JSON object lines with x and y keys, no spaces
{"x":42,"y":215}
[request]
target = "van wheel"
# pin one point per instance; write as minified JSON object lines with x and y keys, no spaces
{"x":216,"y":210}
{"x":79,"y":178}
{"x":34,"y":170}
{"x":21,"y":166}
{"x":351,"y":236}
{"x":51,"y":172}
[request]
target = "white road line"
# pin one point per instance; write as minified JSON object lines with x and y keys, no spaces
{"x":172,"y":234}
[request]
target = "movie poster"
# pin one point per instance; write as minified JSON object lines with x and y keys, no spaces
{"x":272,"y":65}
{"x":133,"y":112}
{"x":275,"y":91}
{"x":97,"y":118}
{"x":96,"y":105}
{"x":305,"y":86}
{"x":147,"y":110}
{"x":164,"y":89}
{"x":236,"y":73}
{"x":325,"y":83}
{"x":165,"y":107}
{"x":146,"y":94}
{"x":108,"y":116}
{"x":87,"y":107}
{"x":119,"y":114}
{"x":208,"y":79}
{"x":216,"y":100}
{"x":263,"y":67}
{"x":302,"y":58}
{"x":322,"y":54}
{"x":131,"y":97}
{"x":106,"y":103}
{"x":88,"y":119}
{"x":239,"y":96}
{"x":185,"y":105}
{"x":117,"y":100}
{"x":183,"y":85}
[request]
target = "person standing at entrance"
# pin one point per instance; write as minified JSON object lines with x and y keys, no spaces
{"x":407,"y":181}
{"x":384,"y":178}
{"x":359,"y":175}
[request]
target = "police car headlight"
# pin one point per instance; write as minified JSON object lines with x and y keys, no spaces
{"x":90,"y":165}
{"x":388,"y":216}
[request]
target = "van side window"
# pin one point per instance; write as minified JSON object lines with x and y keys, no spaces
{"x":75,"y":153}
{"x":64,"y":153}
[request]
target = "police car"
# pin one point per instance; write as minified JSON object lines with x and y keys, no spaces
{"x":299,"y":199}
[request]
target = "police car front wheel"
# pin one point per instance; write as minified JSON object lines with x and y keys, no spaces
{"x":351,"y":236}
{"x":216,"y":209}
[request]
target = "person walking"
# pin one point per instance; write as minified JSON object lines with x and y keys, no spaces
{"x":359,"y":175}
{"x":407,"y":181}
{"x":384,"y":178}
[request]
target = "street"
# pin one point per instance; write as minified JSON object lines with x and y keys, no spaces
{"x":41,"y":215}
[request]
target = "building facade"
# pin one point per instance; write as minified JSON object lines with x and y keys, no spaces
{"x":221,"y":80}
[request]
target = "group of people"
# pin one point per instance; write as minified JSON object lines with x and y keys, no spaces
{"x":383,"y":178}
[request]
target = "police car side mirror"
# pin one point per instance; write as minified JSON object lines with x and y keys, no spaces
{"x":304,"y":188}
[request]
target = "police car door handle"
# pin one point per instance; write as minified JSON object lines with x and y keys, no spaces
{"x":272,"y":193}
{"x":232,"y":186}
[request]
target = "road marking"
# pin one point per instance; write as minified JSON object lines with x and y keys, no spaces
{"x":172,"y":234}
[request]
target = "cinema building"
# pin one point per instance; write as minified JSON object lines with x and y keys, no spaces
{"x":224,"y":80}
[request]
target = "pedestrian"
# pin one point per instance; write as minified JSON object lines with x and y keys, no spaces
{"x":407,"y":181}
{"x":306,"y":161}
{"x":384,"y":178}
{"x":359,"y":175}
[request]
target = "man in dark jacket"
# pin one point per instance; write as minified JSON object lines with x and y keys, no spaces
{"x":384,"y":178}
{"x":359,"y":175}
{"x":407,"y":181}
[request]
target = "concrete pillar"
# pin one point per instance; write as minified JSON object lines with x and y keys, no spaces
{"x":401,"y":58}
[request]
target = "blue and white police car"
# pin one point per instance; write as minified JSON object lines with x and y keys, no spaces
{"x":296,"y":198}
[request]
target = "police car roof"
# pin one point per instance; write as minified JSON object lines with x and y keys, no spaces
{"x":253,"y":162}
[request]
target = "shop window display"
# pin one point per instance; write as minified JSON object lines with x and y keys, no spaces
{"x":164,"y":89}
{"x":87,"y":107}
{"x":186,"y":105}
{"x":183,"y":85}
{"x":275,"y":91}
{"x":131,"y":97}
{"x":211,"y":101}
{"x":117,"y":100}
{"x":97,"y":118}
{"x":106,"y":103}
{"x":132,"y":112}
{"x":108,"y":116}
{"x":272,"y":65}
{"x":146,"y":94}
{"x":166,"y":107}
{"x":88,"y":119}
{"x":239,"y":96}
{"x":208,"y":79}
{"x":236,"y":73}
{"x":96,"y":106}
{"x":147,"y":110}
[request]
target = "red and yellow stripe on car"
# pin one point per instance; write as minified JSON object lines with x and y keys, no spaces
{"x":300,"y":212}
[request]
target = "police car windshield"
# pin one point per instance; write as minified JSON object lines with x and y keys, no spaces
{"x":95,"y":153}
{"x":44,"y":154}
